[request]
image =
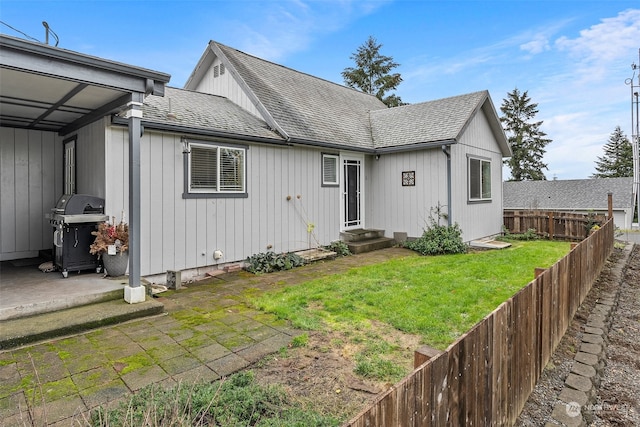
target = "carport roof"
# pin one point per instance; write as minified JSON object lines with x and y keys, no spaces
{"x":52,"y":89}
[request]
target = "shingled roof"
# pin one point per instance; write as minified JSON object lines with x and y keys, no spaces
{"x":185,"y":110}
{"x":307,"y":109}
{"x":579,"y":194}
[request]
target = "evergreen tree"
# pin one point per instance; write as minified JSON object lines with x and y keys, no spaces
{"x":526,"y":139}
{"x":372,"y":73}
{"x":617,"y":160}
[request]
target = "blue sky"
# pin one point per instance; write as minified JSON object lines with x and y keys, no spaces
{"x":572,"y":57}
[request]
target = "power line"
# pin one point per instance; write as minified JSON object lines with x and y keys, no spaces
{"x":18,"y":31}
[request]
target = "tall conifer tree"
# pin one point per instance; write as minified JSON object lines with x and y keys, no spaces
{"x":527,"y":141}
{"x":372,"y":73}
{"x":617,"y":160}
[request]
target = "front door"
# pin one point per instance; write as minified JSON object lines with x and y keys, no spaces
{"x":352,"y":192}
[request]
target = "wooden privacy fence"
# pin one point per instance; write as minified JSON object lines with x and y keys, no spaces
{"x":553,"y":225}
{"x":485,"y":377}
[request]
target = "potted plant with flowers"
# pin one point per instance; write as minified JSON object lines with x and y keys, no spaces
{"x":111,"y":245}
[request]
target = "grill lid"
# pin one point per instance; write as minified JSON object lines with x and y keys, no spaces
{"x":78,"y":204}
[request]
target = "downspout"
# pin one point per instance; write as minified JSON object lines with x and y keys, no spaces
{"x":446,"y":149}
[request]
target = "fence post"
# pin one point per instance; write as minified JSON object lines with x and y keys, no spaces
{"x":610,"y":204}
{"x":538,"y":271}
{"x":551,"y":226}
{"x":423,"y":354}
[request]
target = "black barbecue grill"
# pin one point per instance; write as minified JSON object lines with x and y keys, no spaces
{"x":73,"y":219}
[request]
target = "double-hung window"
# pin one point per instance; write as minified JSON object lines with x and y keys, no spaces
{"x":479,"y":173}
{"x":215,"y":171}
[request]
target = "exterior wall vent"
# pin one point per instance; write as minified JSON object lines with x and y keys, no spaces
{"x":216,"y":71}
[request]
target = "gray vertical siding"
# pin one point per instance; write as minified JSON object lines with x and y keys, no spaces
{"x":407,"y":209}
{"x":179,"y":234}
{"x":226,"y":86}
{"x":477,"y":219}
{"x":395,"y":208}
{"x":31,"y":181}
{"x":91,"y":159}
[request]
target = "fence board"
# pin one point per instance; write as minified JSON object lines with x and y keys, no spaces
{"x":554,"y":225}
{"x":486,"y":376}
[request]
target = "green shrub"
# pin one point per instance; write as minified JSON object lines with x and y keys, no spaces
{"x":529,"y":235}
{"x":339,"y":247}
{"x":438,"y":239}
{"x":237,"y":401}
{"x":268,"y":262}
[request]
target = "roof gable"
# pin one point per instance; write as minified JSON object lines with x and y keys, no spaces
{"x":306,"y":109}
{"x":435,"y":122}
{"x":302,"y":107}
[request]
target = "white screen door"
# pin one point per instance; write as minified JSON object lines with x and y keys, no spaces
{"x":352,"y":192}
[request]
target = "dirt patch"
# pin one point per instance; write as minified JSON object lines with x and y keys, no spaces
{"x":616,"y":401}
{"x":321,"y":375}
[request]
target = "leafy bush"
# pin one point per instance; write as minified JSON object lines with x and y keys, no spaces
{"x":339,"y":247}
{"x":438,"y":239}
{"x":268,"y":262}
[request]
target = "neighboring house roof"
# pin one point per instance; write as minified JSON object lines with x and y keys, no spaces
{"x":578,"y":194}
{"x":307,"y":109}
{"x":183,"y":110}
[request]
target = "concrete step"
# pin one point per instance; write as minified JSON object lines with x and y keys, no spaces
{"x":28,"y":330}
{"x":370,"y":245}
{"x":361,"y":234}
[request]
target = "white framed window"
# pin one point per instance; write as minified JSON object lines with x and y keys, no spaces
{"x":215,"y":170}
{"x":330,"y":174}
{"x":479,"y":173}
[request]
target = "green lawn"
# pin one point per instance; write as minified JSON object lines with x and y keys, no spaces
{"x":437,"y":298}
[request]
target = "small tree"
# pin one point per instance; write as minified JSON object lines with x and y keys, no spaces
{"x":372,"y":73}
{"x":617,"y":160}
{"x":527,"y":141}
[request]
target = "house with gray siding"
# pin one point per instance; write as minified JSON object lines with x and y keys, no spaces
{"x":581,"y":196}
{"x":252,"y":156}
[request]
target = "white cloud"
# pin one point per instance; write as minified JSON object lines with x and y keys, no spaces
{"x":278,"y":29}
{"x":538,"y":45}
{"x":607,"y":41}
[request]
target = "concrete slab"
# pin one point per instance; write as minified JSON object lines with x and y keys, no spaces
{"x":489,"y":244}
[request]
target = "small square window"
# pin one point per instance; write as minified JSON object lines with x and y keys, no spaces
{"x":330,"y":170}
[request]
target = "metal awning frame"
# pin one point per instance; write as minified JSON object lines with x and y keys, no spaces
{"x":57,"y":90}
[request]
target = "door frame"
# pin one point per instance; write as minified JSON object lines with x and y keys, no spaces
{"x":69,"y":176}
{"x":360,"y":161}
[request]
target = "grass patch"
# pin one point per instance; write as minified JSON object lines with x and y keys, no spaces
{"x":438,"y":297}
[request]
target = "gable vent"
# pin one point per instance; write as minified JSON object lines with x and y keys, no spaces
{"x":218,"y":70}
